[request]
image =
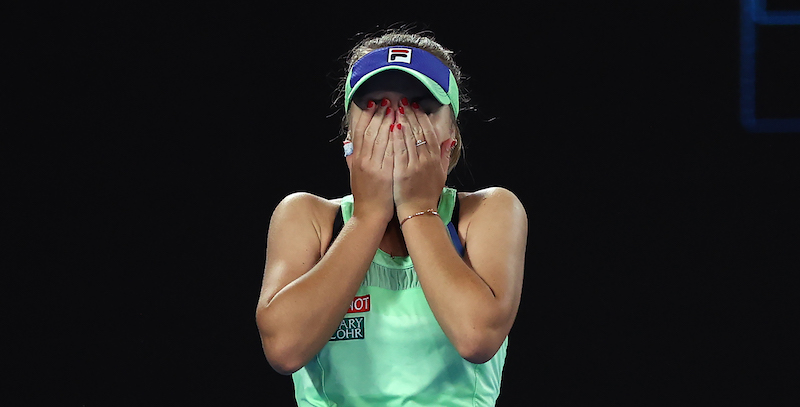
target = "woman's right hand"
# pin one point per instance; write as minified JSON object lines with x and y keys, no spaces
{"x":372,"y":162}
{"x":303,"y":268}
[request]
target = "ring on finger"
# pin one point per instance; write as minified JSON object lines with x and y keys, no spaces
{"x":421,"y":142}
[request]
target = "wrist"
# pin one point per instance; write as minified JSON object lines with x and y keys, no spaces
{"x":430,"y":211}
{"x":409,"y":208}
{"x":371,"y":219}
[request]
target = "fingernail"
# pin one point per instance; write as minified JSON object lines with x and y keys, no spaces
{"x":401,"y":110}
{"x":391,"y":127}
{"x":399,"y":126}
{"x":384,"y":102}
{"x":415,"y":105}
{"x":404,"y":101}
{"x":452,"y":145}
{"x":388,"y":110}
{"x":370,"y":104}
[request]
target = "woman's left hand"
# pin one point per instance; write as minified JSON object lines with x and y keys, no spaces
{"x":420,"y":171}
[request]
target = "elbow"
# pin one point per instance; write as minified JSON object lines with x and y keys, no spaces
{"x":282,"y":357}
{"x":477,"y":356}
{"x":477,"y":341}
{"x":284,"y":366}
{"x":478,"y":348}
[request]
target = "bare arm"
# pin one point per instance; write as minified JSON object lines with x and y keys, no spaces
{"x":304,"y":296}
{"x":306,"y":289}
{"x":474,"y":299}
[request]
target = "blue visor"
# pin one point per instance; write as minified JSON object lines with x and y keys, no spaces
{"x":421,"y":64}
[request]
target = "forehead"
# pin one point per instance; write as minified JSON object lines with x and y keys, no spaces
{"x":394,"y":81}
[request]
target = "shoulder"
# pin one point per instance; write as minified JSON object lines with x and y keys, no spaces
{"x":489,"y":203}
{"x":300,"y":209}
{"x":492,"y":197}
{"x":304,"y":202}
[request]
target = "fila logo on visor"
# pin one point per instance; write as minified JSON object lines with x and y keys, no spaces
{"x":399,"y":55}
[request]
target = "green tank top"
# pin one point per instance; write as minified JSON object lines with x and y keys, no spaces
{"x":390,"y":351}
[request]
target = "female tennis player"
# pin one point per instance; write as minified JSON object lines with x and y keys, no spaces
{"x":404,"y":292}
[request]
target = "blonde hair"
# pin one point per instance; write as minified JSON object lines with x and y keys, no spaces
{"x":422,"y":40}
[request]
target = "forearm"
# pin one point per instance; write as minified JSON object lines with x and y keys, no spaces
{"x":299,"y":320}
{"x":464,"y":304}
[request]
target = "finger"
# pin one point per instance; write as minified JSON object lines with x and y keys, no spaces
{"x":360,"y":118}
{"x":360,"y":121}
{"x":355,"y":113}
{"x":428,"y":132}
{"x":407,"y":137}
{"x":423,"y":129}
{"x":413,"y":121}
{"x":382,"y":135}
{"x":399,"y":135}
{"x":374,"y":128}
{"x":388,"y":156}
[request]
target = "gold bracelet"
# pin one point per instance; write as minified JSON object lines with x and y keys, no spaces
{"x":429,"y":211}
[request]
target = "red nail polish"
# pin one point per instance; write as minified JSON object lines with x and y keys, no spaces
{"x":415,"y":105}
{"x":391,"y":127}
{"x":388,"y":110}
{"x":384,"y":102}
{"x":399,"y":126}
{"x":404,"y":101}
{"x":370,"y":104}
{"x":401,"y":110}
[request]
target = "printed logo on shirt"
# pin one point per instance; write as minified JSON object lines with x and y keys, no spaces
{"x":399,"y":55}
{"x":349,"y":328}
{"x":359,"y":304}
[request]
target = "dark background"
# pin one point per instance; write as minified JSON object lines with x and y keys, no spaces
{"x":152,"y":142}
